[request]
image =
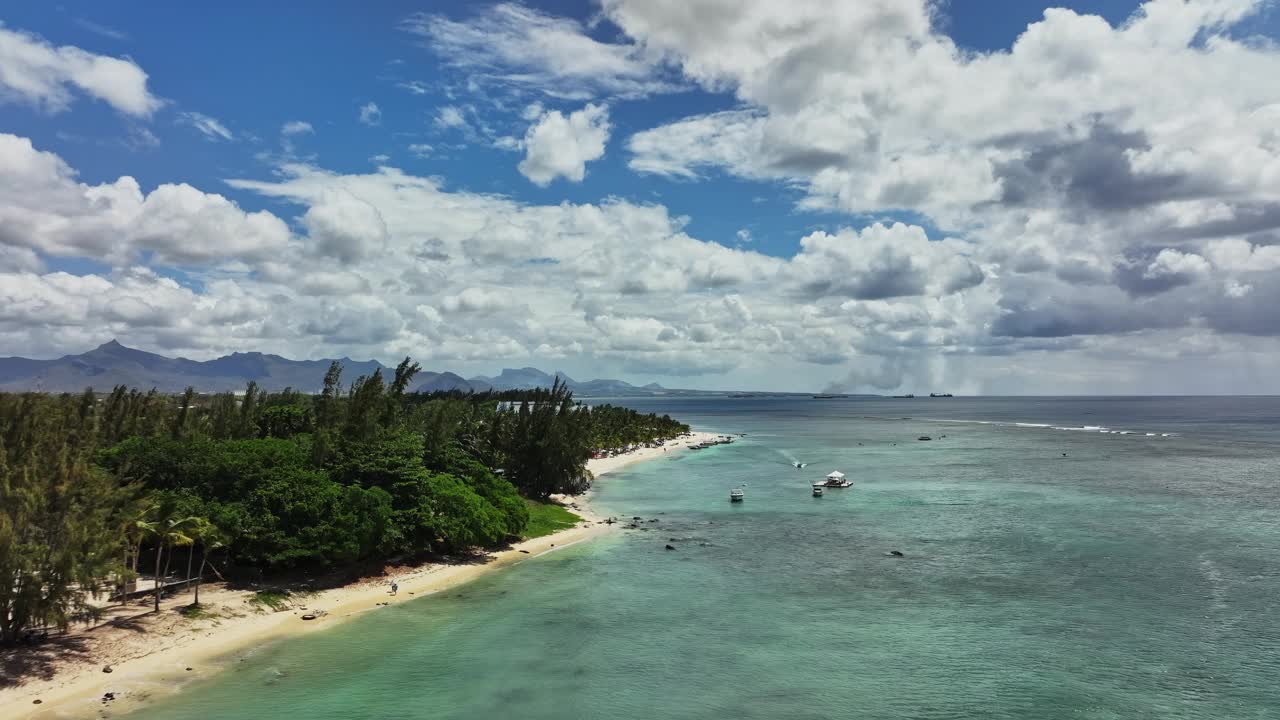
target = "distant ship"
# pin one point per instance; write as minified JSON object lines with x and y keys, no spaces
{"x":827,"y":397}
{"x":941,"y":395}
{"x":908,"y":396}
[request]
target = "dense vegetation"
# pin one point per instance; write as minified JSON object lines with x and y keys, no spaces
{"x":96,"y":490}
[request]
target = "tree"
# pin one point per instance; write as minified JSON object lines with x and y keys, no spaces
{"x":60,"y":517}
{"x":209,"y":537}
{"x":546,"y":444}
{"x":167,"y":525}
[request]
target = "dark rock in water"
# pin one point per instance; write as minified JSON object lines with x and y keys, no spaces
{"x":106,"y":668}
{"x":637,"y":518}
{"x":895,"y":553}
{"x":654,"y":520}
{"x":671,"y":547}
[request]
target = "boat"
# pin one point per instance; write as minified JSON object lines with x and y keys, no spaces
{"x":924,"y":437}
{"x":908,"y":396}
{"x":736,"y":495}
{"x":799,"y":465}
{"x":817,"y":491}
{"x":835,"y":479}
{"x":941,"y":395}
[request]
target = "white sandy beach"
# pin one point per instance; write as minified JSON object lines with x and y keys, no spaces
{"x":150,"y":654}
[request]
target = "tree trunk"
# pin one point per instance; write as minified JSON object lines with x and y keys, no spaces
{"x":191,"y":553}
{"x":200,"y":577}
{"x":159,"y":553}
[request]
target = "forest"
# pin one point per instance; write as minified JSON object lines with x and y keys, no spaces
{"x":99,"y":489}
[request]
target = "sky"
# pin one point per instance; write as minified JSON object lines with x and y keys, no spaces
{"x":974,"y":196}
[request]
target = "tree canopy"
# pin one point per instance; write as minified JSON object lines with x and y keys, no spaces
{"x":269,"y":482}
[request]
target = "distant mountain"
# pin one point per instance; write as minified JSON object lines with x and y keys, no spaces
{"x":113,"y":364}
{"x":528,"y":377}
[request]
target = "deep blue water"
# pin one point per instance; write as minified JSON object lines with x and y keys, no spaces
{"x":1046,"y":573}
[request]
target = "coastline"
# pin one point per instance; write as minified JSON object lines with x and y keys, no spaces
{"x":182,"y":650}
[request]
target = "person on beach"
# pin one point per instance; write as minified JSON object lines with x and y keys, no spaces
{"x":395,"y":587}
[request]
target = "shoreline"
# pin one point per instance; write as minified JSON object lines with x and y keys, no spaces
{"x":184,"y":650}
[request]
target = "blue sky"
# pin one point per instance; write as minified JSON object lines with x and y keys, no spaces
{"x":896,"y":195}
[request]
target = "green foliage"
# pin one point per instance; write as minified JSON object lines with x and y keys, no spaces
{"x":97,"y":489}
{"x":546,"y":444}
{"x":548,"y":518}
{"x":60,"y":517}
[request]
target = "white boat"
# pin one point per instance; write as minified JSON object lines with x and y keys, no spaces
{"x":835,"y":479}
{"x":736,"y":495}
{"x":817,"y":491}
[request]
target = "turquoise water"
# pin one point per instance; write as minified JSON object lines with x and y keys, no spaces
{"x":1135,"y":577}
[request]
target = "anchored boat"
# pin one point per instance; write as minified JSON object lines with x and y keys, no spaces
{"x":736,"y":495}
{"x":835,"y":479}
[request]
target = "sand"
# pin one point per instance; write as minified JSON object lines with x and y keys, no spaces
{"x":151,"y":654}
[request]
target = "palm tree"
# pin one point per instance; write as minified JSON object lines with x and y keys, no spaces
{"x":168,"y":527}
{"x":210,"y":537}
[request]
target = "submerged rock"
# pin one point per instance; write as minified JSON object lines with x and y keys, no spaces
{"x":895,"y":553}
{"x":671,"y":547}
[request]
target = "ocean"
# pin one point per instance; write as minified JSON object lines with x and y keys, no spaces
{"x":1061,"y":558}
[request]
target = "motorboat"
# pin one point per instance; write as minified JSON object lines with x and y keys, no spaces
{"x":799,"y":465}
{"x":835,"y":479}
{"x":817,"y":491}
{"x":736,"y":495}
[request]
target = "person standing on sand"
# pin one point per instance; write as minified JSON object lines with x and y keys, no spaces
{"x":395,"y":587}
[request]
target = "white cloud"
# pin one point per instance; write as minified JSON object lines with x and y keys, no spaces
{"x":210,"y":127}
{"x":420,"y":150}
{"x":512,"y":44}
{"x":370,"y":114}
{"x":450,"y":116}
{"x":345,"y":227}
{"x":297,"y":127}
{"x":415,"y":87}
{"x":35,"y":72}
{"x":560,"y":146}
{"x":44,"y":208}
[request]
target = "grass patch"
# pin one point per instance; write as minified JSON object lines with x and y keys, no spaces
{"x":277,"y":600}
{"x":547,"y":518}
{"x":197,"y":612}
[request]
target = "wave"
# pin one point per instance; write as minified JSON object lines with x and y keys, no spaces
{"x":1100,"y":429}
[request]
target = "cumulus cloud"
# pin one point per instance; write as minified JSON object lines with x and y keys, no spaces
{"x":34,"y":72}
{"x":44,"y":208}
{"x":561,"y":146}
{"x":882,"y":262}
{"x":344,"y":227}
{"x":1100,"y":217}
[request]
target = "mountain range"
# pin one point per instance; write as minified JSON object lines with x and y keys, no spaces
{"x":112,"y":364}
